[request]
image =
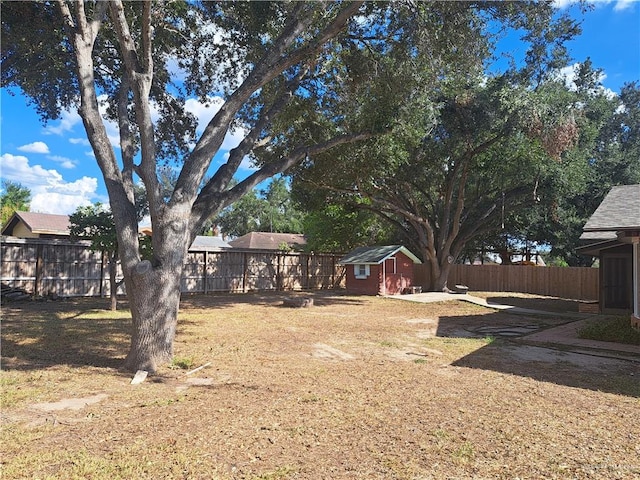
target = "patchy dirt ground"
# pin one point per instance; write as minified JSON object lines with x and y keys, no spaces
{"x":350,"y":388}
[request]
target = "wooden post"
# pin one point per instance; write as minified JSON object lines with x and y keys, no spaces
{"x":244,"y":272}
{"x":37,"y":286}
{"x":204,"y":272}
{"x":333,"y":271}
{"x":103,"y":259}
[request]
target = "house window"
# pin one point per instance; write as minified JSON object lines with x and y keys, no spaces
{"x":361,"y":271}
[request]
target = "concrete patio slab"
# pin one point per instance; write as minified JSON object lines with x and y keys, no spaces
{"x":563,"y":336}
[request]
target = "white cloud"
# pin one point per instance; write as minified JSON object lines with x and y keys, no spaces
{"x":204,"y":112}
{"x":35,"y":147}
{"x":67,"y":123}
{"x":70,"y":119}
{"x":569,"y":74}
{"x":619,"y":6}
{"x":50,"y":193}
{"x":63,"y":161}
{"x":623,"y":5}
{"x":79,"y":141}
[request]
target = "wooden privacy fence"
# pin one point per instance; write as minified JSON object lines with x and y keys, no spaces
{"x":63,"y":268}
{"x":579,"y":283}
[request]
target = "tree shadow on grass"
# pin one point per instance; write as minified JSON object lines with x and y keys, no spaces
{"x":65,"y":333}
{"x":548,"y":304}
{"x":82,"y":332}
{"x":554,"y":363}
{"x":269,"y":298}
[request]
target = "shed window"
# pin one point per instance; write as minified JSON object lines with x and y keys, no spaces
{"x":361,"y":271}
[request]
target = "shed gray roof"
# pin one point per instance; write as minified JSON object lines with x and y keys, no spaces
{"x":375,"y":255}
{"x":204,"y":243}
{"x":620,"y":210}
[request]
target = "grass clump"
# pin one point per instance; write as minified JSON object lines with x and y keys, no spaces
{"x":184,"y":363}
{"x":616,"y":329}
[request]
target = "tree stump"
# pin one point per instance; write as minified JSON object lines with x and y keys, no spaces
{"x":298,"y":302}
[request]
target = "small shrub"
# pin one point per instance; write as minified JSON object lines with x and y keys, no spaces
{"x":183,"y":363}
{"x":617,"y":329}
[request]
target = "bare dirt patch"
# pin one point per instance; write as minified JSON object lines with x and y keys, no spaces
{"x":350,"y":388}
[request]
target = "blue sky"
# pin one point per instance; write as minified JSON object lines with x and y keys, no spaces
{"x":55,"y":161}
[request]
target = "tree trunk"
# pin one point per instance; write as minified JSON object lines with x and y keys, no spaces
{"x":113,"y":283}
{"x":154,"y":299}
{"x":439,"y":275}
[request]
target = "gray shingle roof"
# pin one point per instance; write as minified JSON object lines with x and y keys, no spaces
{"x":620,"y":210}
{"x":204,"y":243}
{"x":375,"y":255}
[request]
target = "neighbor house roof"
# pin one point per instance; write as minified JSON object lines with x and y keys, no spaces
{"x":591,"y":237}
{"x":375,"y":255}
{"x":39,"y":223}
{"x":620,"y":210}
{"x":207,"y":244}
{"x":269,"y":241}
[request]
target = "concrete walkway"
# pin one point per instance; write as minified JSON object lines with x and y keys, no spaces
{"x":563,"y":336}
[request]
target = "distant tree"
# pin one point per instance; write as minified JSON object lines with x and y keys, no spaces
{"x":242,"y":217}
{"x":14,"y":198}
{"x":612,"y":158}
{"x":280,"y":214}
{"x":607,"y":154}
{"x":95,"y":223}
{"x":273,"y":210}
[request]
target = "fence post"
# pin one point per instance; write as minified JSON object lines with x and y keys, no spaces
{"x":204,"y":272}
{"x":37,"y":286}
{"x":102,"y":262}
{"x":244,"y":272}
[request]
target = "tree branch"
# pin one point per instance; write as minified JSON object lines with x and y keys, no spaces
{"x":272,"y":65}
{"x":140,"y":79}
{"x":223,"y":176}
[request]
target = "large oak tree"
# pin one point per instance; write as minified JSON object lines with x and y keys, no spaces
{"x":466,"y":150}
{"x":143,"y":60}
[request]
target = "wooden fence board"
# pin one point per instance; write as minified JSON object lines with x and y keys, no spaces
{"x":580,"y":283}
{"x":45,"y":267}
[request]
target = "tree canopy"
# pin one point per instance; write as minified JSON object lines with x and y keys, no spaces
{"x":464,"y":153}
{"x":265,"y":64}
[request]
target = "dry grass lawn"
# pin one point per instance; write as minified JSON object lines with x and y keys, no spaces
{"x":351,"y":388}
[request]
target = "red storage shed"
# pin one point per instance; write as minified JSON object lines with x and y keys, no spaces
{"x":385,"y":270}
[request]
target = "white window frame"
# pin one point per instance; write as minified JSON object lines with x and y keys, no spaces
{"x":358,"y":271}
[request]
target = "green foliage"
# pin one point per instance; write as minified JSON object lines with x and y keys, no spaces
{"x":341,"y":228}
{"x":616,"y":329}
{"x":14,"y":198}
{"x":273,"y":211}
{"x":443,"y":179}
{"x":184,"y":363}
{"x":95,"y":223}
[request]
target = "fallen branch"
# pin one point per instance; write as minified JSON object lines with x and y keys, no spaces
{"x":199,"y":368}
